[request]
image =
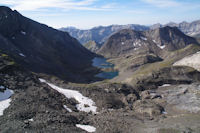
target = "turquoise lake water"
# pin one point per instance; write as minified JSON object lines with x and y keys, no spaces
{"x":102,"y":63}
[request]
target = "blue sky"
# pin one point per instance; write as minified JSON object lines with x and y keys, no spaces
{"x":89,"y":13}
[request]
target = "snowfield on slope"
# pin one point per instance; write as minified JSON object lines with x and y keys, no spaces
{"x":87,"y":128}
{"x":191,"y":61}
{"x":85,"y":104}
{"x":5,"y":99}
{"x":4,"y":104}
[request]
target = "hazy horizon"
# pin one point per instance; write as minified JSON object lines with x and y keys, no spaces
{"x":86,"y":14}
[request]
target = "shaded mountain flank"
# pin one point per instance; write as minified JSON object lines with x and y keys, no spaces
{"x":40,"y":48}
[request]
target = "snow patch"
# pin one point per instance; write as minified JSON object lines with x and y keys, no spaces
{"x":165,"y":85}
{"x":164,"y":112}
{"x":135,"y":48}
{"x":2,"y":87}
{"x":68,"y":109}
{"x":21,"y":54}
{"x":31,"y":120}
{"x":143,"y":38}
{"x":4,"y":104}
{"x":5,"y":99}
{"x":162,"y":47}
{"x":87,"y":128}
{"x":23,"y":32}
{"x":85,"y":104}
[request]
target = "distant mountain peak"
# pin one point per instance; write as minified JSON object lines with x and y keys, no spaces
{"x":129,"y":41}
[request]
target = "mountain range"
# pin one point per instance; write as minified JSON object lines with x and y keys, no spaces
{"x":49,"y":81}
{"x":100,"y":34}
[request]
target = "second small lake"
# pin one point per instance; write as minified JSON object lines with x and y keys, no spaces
{"x":102,"y":63}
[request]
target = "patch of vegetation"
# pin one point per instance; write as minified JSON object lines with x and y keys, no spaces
{"x":11,"y":63}
{"x":4,"y":55}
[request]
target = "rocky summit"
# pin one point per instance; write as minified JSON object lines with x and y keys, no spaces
{"x":137,"y":82}
{"x":153,"y":41}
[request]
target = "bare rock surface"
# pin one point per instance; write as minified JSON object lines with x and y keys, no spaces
{"x":191,"y":61}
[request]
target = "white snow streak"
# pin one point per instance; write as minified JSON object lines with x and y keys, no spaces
{"x":24,"y":33}
{"x":21,"y":54}
{"x":68,"y":109}
{"x":143,"y":38}
{"x":87,"y":128}
{"x":5,"y":99}
{"x":85,"y":104}
{"x":165,"y":85}
{"x":4,"y":104}
{"x":162,"y":47}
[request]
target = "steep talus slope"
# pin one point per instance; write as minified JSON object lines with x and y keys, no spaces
{"x":40,"y":48}
{"x":34,"y":107}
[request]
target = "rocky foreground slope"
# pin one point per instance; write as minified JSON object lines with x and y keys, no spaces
{"x":167,"y":101}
